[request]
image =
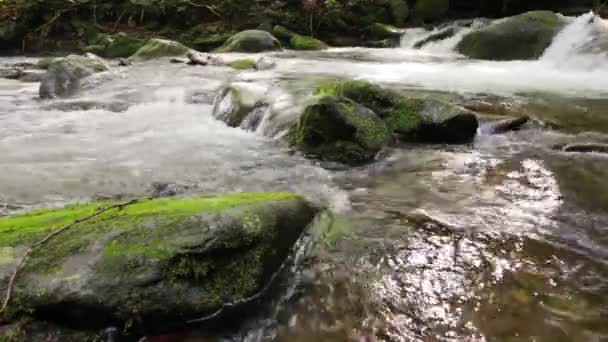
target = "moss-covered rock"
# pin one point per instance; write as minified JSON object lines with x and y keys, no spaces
{"x":158,"y":48}
{"x":250,"y":41}
{"x":379,"y":31}
{"x":296,"y":41}
{"x":116,"y":45}
{"x":64,"y":74}
{"x":339,"y":129}
{"x":431,"y":9}
{"x":524,"y":36}
{"x":415,"y":119}
{"x":154,"y":263}
{"x":242,"y":64}
{"x":299,"y":42}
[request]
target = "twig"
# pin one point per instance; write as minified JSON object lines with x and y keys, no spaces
{"x":119,"y":19}
{"x":11,"y":283}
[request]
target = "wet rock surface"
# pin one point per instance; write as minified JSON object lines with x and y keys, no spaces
{"x":126,"y":264}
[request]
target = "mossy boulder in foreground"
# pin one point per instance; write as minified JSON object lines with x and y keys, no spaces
{"x":250,"y":41}
{"x":64,"y":74}
{"x":414,"y":119}
{"x":158,"y":48}
{"x":521,"y":37}
{"x":156,"y":263}
{"x":339,"y":129}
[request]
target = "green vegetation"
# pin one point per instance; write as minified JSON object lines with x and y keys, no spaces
{"x":19,"y":229}
{"x":241,"y":64}
{"x":157,"y":48}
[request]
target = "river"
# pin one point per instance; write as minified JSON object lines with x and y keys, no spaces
{"x":504,"y":239}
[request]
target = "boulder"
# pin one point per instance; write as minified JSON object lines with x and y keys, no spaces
{"x":379,"y":31}
{"x":431,"y":9}
{"x":151,"y":265}
{"x":299,"y":42}
{"x":158,"y":48}
{"x":116,"y":45}
{"x":521,"y":37}
{"x":296,"y":41}
{"x":415,"y":119}
{"x":341,"y":130}
{"x":64,"y":75}
{"x":235,"y":103}
{"x":250,"y":41}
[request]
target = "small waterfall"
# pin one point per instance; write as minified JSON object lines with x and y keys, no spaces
{"x":438,"y":40}
{"x":583,"y":44}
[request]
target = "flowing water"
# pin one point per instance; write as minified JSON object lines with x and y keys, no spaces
{"x":504,"y":239}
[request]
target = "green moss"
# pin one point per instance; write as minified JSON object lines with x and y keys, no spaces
{"x":399,"y":112}
{"x":120,"y":45}
{"x":299,"y":42}
{"x":15,"y":230}
{"x":282,"y":33}
{"x":157,"y":48}
{"x":241,"y":64}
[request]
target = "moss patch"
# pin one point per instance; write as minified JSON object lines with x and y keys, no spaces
{"x":399,"y":112}
{"x":242,"y":64}
{"x":15,"y":230}
{"x":157,"y":48}
{"x":299,"y":42}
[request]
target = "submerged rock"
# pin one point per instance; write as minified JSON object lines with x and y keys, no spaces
{"x":524,"y":36}
{"x":339,"y":129}
{"x":154,"y":264}
{"x":64,"y":75}
{"x":197,"y":58}
{"x":158,"y":48}
{"x":250,"y":41}
{"x":415,"y":119}
{"x":297,"y":41}
{"x":586,"y":148}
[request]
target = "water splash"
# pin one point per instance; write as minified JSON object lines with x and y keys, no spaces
{"x":583,"y":44}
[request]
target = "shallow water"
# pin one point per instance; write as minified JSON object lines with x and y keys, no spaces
{"x":504,"y":239}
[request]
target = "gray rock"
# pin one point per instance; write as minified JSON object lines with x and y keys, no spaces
{"x":524,"y":36}
{"x":250,"y":41}
{"x":64,"y":75}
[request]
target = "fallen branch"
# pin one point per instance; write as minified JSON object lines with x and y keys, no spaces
{"x":54,"y":233}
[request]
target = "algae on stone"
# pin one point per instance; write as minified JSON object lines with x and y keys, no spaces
{"x":241,"y":64}
{"x":156,"y":260}
{"x":339,"y":129}
{"x":158,"y":48}
{"x":250,"y":41}
{"x":415,"y":119}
